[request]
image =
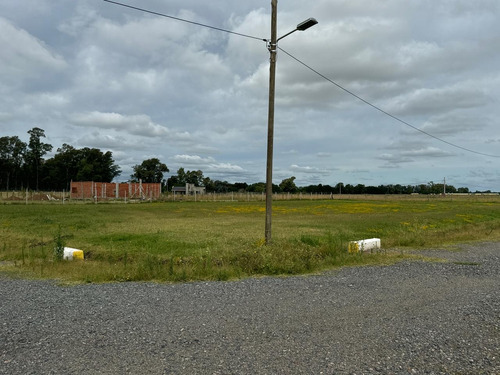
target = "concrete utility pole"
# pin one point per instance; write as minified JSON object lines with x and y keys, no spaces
{"x":270,"y":119}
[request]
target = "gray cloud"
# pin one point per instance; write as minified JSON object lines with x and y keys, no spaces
{"x":435,"y":100}
{"x":26,"y":62}
{"x":308,"y":169}
{"x":98,"y":75}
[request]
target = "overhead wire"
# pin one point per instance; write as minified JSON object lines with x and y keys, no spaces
{"x":311,"y":69}
{"x":184,"y":20}
{"x":381,"y":110}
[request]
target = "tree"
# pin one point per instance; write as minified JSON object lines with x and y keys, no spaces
{"x":222,"y":186}
{"x":209,"y":184}
{"x":347,"y":189}
{"x":86,"y":164}
{"x":12,"y":154}
{"x":177,"y":180}
{"x":258,"y":187}
{"x":182,"y":178}
{"x":172,"y":181}
{"x":288,"y":185}
{"x":374,"y":189}
{"x":94,"y":165}
{"x":150,"y":170}
{"x":240,"y":186}
{"x":359,"y":189}
{"x":194,"y":177}
{"x":36,"y":150}
{"x":62,"y":168}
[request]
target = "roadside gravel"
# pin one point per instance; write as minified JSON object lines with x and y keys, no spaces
{"x":410,"y":318}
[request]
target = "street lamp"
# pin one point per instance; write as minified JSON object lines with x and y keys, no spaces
{"x":310,"y":22}
{"x":273,"y":44}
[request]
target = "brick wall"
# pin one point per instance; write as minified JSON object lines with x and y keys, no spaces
{"x":111,"y":190}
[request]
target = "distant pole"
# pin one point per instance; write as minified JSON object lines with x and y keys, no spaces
{"x":270,"y":120}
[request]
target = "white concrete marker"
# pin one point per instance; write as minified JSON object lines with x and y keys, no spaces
{"x":364,"y":245}
{"x":70,"y":253}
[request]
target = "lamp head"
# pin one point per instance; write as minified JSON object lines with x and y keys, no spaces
{"x":306,"y":24}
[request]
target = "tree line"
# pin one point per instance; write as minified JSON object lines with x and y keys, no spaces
{"x":23,"y":166}
{"x":288,"y":185}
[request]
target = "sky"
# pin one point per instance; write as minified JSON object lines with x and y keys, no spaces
{"x":95,"y":74}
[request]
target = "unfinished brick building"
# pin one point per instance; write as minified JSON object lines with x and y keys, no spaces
{"x":112,"y":190}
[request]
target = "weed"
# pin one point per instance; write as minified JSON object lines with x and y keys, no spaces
{"x":58,"y":246}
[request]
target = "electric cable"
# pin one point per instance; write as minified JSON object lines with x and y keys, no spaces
{"x":381,"y":110}
{"x":184,"y":20}
{"x":310,"y":68}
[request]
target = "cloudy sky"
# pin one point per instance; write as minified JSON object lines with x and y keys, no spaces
{"x":95,"y":74}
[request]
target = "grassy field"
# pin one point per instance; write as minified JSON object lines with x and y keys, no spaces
{"x":180,"y":241}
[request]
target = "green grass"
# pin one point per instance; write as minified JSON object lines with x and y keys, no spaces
{"x":181,"y":241}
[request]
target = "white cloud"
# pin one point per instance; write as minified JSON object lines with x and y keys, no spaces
{"x":140,"y":125}
{"x":24,"y":57}
{"x":413,"y":155}
{"x":464,"y":95}
{"x":105,"y":141}
{"x":428,"y":152}
{"x":226,"y":168}
{"x":94,"y":74}
{"x":394,"y":159}
{"x":308,"y":169}
{"x":208,"y":164}
{"x":193,"y":160}
{"x":83,"y":17}
{"x":454,"y":122}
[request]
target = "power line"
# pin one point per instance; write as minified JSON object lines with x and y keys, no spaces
{"x":381,"y":110}
{"x":308,"y":67}
{"x":184,"y":20}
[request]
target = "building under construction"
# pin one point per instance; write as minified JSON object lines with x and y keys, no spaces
{"x":114,"y":190}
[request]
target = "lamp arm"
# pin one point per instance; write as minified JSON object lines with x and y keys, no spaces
{"x":281,"y":37}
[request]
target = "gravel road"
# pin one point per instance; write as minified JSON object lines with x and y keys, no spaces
{"x":410,"y":318}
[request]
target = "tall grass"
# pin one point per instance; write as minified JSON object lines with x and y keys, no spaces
{"x":181,"y":241}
